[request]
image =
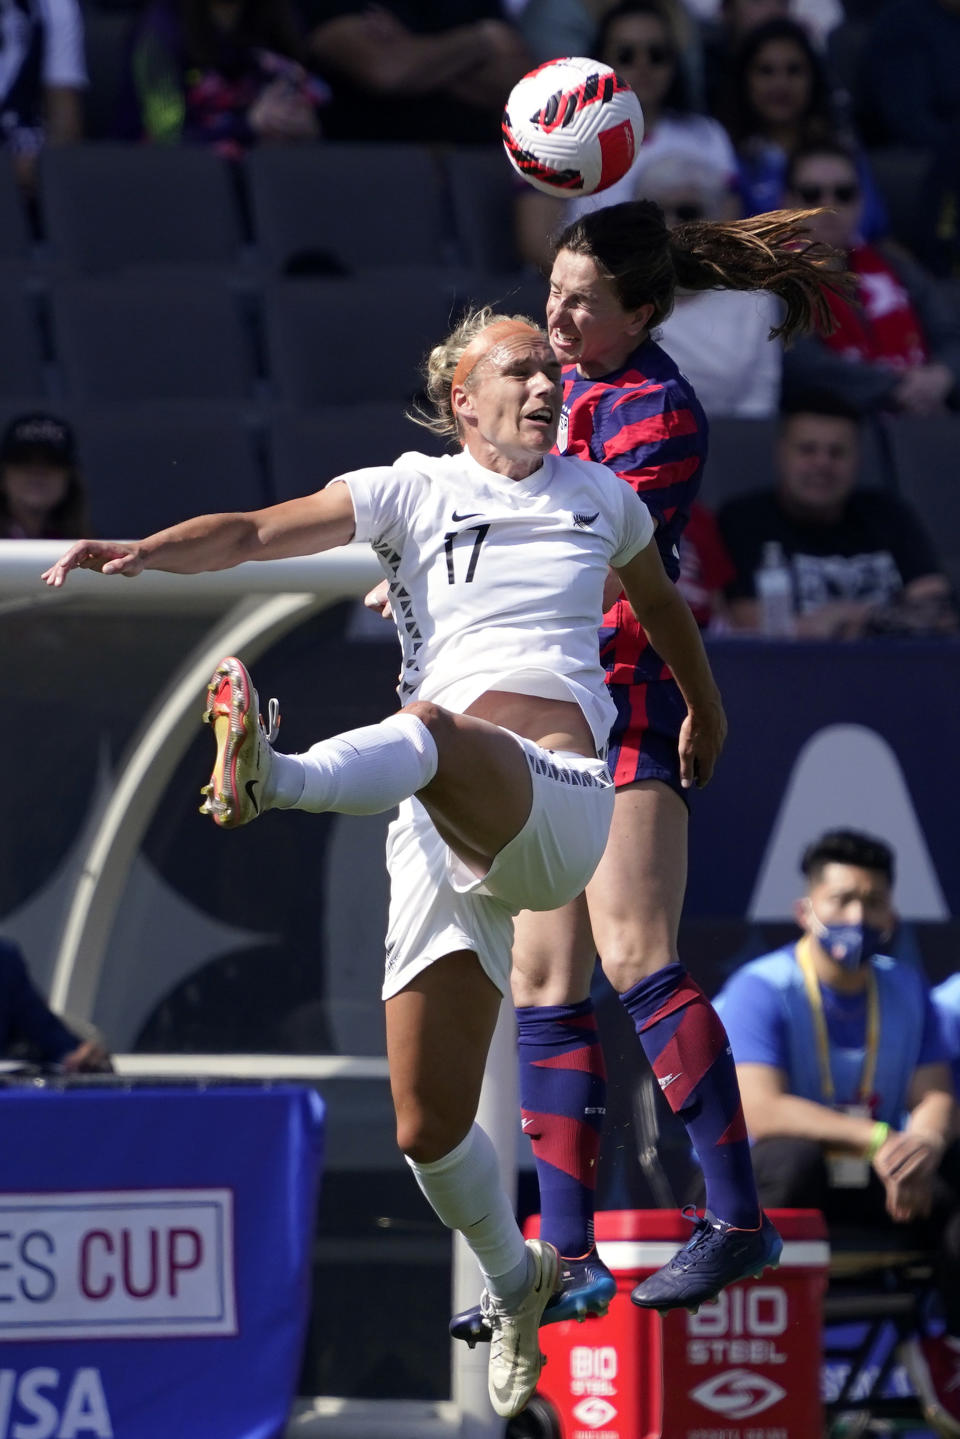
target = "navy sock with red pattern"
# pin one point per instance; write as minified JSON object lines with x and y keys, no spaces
{"x":685,"y":1041}
{"x":563,"y":1098}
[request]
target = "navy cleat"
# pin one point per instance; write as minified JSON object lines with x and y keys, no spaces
{"x":716,"y":1255}
{"x":587,"y":1286}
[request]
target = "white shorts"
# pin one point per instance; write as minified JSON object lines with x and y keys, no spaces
{"x":438,"y":905}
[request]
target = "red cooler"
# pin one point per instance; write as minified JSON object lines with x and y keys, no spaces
{"x":747,"y":1366}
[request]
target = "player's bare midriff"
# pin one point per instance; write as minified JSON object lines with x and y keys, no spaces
{"x":550,"y":723}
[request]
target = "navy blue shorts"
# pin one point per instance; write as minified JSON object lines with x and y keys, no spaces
{"x":643,"y":739}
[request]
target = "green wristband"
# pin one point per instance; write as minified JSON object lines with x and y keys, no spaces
{"x":879,"y":1135}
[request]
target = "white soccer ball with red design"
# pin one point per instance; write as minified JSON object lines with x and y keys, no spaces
{"x":572,"y":127}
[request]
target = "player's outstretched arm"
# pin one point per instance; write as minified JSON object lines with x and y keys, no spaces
{"x":303,"y":526}
{"x":673,"y":632}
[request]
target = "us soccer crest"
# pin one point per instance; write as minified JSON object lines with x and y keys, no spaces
{"x":562,"y":432}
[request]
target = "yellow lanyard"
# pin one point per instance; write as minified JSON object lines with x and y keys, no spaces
{"x":869,"y":1072}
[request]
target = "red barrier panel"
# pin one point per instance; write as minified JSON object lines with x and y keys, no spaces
{"x":747,"y":1366}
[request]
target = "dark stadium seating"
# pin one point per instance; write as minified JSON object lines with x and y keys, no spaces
{"x":483,"y":194}
{"x":348,"y":205}
{"x":902,"y":176}
{"x":333,"y":341}
{"x":741,"y":458}
{"x":122,"y":341}
{"x":308,"y":448}
{"x":430,"y":238}
{"x":106,"y":41}
{"x":15,"y":240}
{"x":22,"y":368}
{"x":147,"y":466}
{"x":520,"y":292}
{"x":926,"y":454}
{"x":106,"y":206}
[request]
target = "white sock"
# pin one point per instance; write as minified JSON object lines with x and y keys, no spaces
{"x":465,"y":1191}
{"x":362,"y":771}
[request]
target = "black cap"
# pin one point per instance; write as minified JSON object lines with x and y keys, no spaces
{"x":29,"y":436}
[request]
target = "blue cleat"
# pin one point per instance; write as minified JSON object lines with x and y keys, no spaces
{"x":587,"y":1286}
{"x":716,"y":1255}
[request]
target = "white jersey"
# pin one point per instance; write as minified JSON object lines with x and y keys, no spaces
{"x":498,"y":583}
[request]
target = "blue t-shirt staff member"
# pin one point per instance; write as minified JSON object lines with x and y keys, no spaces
{"x":846,"y":1087}
{"x":26,"y":1021}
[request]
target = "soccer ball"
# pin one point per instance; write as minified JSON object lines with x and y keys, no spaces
{"x":572,"y":127}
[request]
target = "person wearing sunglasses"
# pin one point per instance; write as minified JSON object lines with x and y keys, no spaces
{"x":895,"y":344}
{"x":778,"y":99}
{"x":643,"y":42}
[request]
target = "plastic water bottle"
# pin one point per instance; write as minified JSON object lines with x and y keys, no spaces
{"x":774,"y":587}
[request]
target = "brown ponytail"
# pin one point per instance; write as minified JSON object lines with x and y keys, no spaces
{"x":647,"y":263}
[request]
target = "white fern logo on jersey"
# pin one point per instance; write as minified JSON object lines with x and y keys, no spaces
{"x":738,"y":1394}
{"x":572,"y":127}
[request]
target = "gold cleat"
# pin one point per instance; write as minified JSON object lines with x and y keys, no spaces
{"x":241,"y":772}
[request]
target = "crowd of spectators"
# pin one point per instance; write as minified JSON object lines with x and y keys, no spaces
{"x":895,"y":344}
{"x":745,"y":110}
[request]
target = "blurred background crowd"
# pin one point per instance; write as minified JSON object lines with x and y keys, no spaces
{"x":207,"y":207}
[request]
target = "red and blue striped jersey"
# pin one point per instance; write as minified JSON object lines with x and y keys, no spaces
{"x":645,"y":422}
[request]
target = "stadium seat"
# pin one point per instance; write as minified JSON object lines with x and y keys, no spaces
{"x":22,"y":366}
{"x":483,"y":194}
{"x":106,"y":40}
{"x":902,"y":176}
{"x":119,"y":341}
{"x":741,"y":458}
{"x":844,"y":52}
{"x":926,"y":459}
{"x":308,"y":448}
{"x":107,"y":206}
{"x":15,"y":242}
{"x":347,"y":341}
{"x":148,"y":466}
{"x":520,"y":292}
{"x":346,"y":205}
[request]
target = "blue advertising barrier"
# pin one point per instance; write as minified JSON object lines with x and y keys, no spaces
{"x":154,"y":1259}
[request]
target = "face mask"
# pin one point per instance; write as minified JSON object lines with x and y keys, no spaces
{"x":848,"y":945}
